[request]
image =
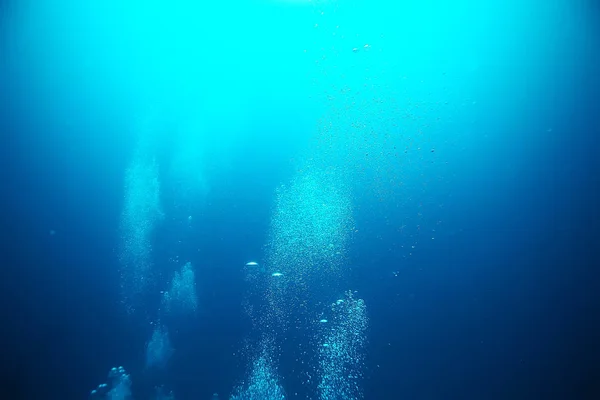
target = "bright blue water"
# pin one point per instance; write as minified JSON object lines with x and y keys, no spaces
{"x":495,"y":105}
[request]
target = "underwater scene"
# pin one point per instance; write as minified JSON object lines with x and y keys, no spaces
{"x":299,"y":199}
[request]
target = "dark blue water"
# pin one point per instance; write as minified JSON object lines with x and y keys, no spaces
{"x":498,"y":300}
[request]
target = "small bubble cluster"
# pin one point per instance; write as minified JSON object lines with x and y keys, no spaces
{"x":118,"y":386}
{"x":159,"y":349}
{"x":341,"y":354}
{"x":263,"y":383}
{"x":181,"y":297}
{"x":308,"y":237}
{"x":141,"y":212}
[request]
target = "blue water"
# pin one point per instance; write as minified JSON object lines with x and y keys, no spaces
{"x":462,"y":137}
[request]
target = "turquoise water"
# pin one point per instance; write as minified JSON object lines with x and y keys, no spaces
{"x":299,"y":199}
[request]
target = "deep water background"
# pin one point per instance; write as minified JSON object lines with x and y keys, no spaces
{"x":501,"y":303}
